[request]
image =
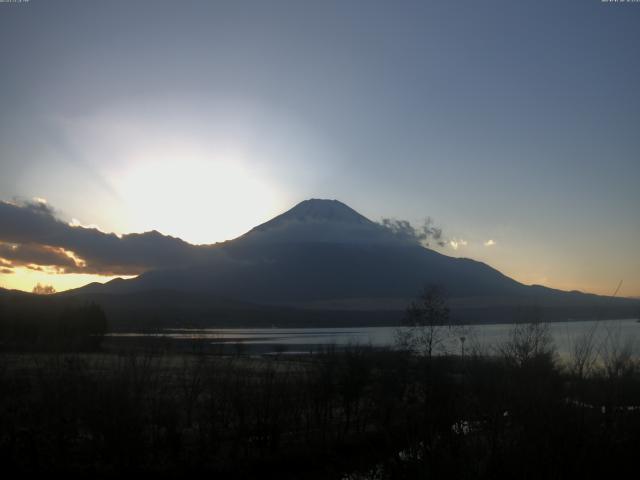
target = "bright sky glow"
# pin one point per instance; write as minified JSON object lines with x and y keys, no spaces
{"x":199,"y":199}
{"x":25,"y":279}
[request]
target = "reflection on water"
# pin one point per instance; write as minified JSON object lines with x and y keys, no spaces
{"x":624,"y":333}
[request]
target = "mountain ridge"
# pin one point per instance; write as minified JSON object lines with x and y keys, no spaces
{"x":321,"y":263}
{"x":318,"y":209}
{"x":323,"y":250}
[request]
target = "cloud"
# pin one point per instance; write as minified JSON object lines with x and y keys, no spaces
{"x":427,"y":234}
{"x":457,"y":243}
{"x":489,"y":243}
{"x":32,"y":235}
{"x":76,"y":223}
{"x":31,"y":254}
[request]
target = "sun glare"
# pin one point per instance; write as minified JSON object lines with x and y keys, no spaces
{"x":199,"y":199}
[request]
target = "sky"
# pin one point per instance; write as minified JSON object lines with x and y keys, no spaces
{"x":514,"y":125}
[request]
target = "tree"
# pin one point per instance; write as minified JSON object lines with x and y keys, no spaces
{"x":427,"y":322}
{"x":82,"y":327}
{"x":40,"y":289}
{"x":528,"y":343}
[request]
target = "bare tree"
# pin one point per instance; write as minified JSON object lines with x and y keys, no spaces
{"x":617,"y":353}
{"x":528,"y":342}
{"x":583,"y":353}
{"x":427,"y":323}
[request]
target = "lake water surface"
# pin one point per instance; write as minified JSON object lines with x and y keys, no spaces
{"x":607,"y":334}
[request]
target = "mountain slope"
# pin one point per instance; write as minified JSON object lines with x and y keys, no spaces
{"x":318,"y":221}
{"x":321,"y":250}
{"x":322,"y":254}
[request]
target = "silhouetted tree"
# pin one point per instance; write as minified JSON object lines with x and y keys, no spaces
{"x":40,"y":289}
{"x":428,"y":322}
{"x":528,"y":342}
{"x":44,"y":323}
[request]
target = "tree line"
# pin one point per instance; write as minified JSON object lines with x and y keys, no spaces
{"x":42,"y":323}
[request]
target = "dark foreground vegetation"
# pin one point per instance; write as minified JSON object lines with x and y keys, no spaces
{"x":43,"y":323}
{"x":71,"y":403}
{"x":357,"y":413}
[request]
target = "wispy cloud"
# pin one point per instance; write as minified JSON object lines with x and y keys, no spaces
{"x":426,"y":234}
{"x":457,"y":243}
{"x":489,"y":243}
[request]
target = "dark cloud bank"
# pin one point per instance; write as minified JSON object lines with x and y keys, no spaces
{"x":32,"y":236}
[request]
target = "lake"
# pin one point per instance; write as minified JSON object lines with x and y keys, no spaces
{"x":607,"y":334}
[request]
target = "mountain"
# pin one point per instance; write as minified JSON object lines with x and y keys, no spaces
{"x":322,"y":250}
{"x":6,"y":293}
{"x":316,"y":210}
{"x":319,"y":221}
{"x":322,"y":255}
